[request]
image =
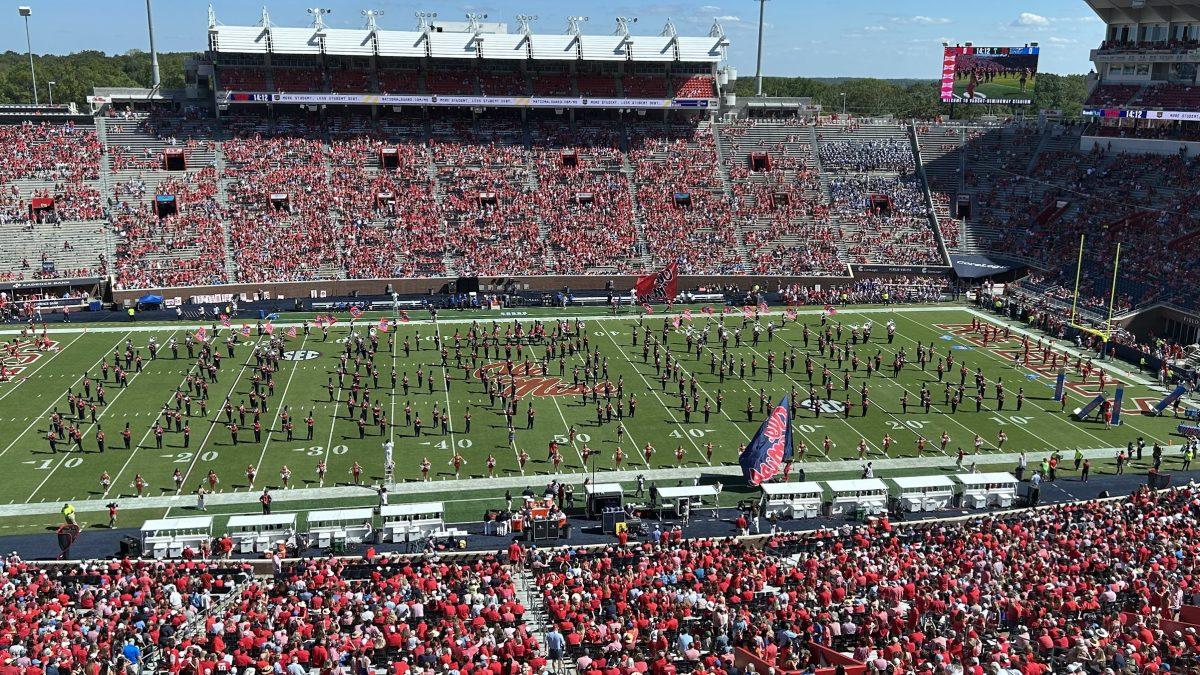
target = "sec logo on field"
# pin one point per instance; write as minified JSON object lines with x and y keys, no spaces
{"x":828,"y":407}
{"x":301,"y":355}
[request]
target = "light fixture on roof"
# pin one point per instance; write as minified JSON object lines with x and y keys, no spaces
{"x":425,"y":20}
{"x":573,"y":24}
{"x":371,"y":15}
{"x":318,"y":15}
{"x":526,"y":21}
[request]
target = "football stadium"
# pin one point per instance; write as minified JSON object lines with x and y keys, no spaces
{"x":458,"y":346}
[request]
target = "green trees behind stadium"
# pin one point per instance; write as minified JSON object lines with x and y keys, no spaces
{"x":74,"y":75}
{"x":912,"y":98}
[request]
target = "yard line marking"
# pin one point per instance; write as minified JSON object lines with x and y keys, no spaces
{"x":92,"y":425}
{"x":995,"y":357}
{"x":566,"y":427}
{"x":883,"y":347}
{"x":279,"y":409}
{"x":41,"y":365}
{"x":54,"y":402}
{"x":156,"y":414}
{"x":213,"y":424}
{"x":650,"y":387}
{"x":438,"y":345}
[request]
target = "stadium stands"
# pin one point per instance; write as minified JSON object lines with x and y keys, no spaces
{"x":998,"y":592}
{"x":484,"y":175}
{"x":875,"y":195}
{"x":784,"y":219}
{"x":84,"y":616}
{"x":1112,"y":95}
{"x":463,"y":196}
{"x":681,"y":199}
{"x":277,"y":180}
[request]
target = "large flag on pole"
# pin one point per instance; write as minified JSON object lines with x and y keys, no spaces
{"x":662,"y":286}
{"x":770,"y":448}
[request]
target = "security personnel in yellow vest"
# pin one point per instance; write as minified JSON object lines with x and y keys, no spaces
{"x":68,"y":513}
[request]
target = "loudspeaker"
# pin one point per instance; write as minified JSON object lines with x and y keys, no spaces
{"x":131,"y":547}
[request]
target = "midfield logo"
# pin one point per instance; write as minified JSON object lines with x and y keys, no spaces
{"x":532,"y":381}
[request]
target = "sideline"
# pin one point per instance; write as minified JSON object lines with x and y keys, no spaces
{"x":446,"y":487}
{"x":501,"y":317}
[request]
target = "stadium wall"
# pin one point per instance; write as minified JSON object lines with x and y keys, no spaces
{"x":1140,"y":145}
{"x":366,"y":287}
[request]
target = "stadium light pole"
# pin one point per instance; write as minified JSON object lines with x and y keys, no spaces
{"x":843,"y":95}
{"x":762,"y":8}
{"x":25,"y":12}
{"x":154,"y":81}
{"x":50,"y":86}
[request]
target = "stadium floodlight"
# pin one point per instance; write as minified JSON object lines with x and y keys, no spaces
{"x":843,"y":95}
{"x":26,"y":12}
{"x":526,"y":22}
{"x":473,"y":20}
{"x":372,"y":15}
{"x":154,"y":74}
{"x":762,"y":9}
{"x":50,"y":86}
{"x":318,"y":15}
{"x":425,"y":20}
{"x":573,"y":24}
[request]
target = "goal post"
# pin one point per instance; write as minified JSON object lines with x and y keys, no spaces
{"x":1104,"y":332}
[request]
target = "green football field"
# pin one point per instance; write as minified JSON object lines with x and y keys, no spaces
{"x":37,"y":476}
{"x":1002,"y":87}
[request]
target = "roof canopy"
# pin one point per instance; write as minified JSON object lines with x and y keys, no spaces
{"x":482,"y":42}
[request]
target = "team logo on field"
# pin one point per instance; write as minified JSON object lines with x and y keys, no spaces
{"x":532,"y":381}
{"x":300,"y":355}
{"x":827,"y":406}
{"x":18,"y":356}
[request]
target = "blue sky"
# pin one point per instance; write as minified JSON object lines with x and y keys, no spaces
{"x":822,"y":38}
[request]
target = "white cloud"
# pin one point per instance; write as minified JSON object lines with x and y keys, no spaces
{"x":1054,"y":39}
{"x":728,"y":18}
{"x":874,"y":29}
{"x":1029,"y":19}
{"x":709,"y":9}
{"x":922,"y":20}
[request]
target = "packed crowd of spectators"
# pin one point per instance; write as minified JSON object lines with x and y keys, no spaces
{"x":105,"y":616}
{"x":681,"y":199}
{"x":1034,"y":592}
{"x":869,"y":290}
{"x":390,"y":222}
{"x":291,"y":236}
{"x":184,"y":249}
{"x":585,"y":198}
{"x":1092,"y":587}
{"x":492,"y":225}
{"x":886,"y":219}
{"x":49,"y":152}
{"x":337,"y":616}
{"x":868,"y":155}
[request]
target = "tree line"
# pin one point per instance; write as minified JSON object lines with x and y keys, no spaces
{"x":74,"y":75}
{"x":870,"y":96}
